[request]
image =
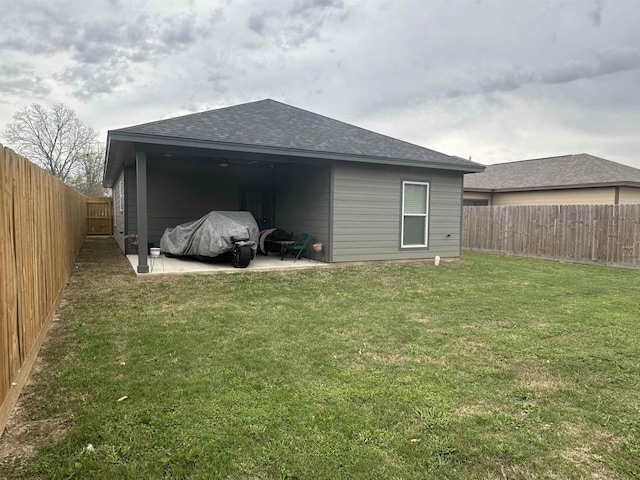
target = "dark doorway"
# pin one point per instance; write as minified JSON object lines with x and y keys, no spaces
{"x":258,"y":201}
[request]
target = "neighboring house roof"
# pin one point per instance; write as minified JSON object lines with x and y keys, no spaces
{"x":567,"y":171}
{"x":267,"y":126}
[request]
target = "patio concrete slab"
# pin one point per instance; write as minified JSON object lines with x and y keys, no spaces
{"x":174,"y":265}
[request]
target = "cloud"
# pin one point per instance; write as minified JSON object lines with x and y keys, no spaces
{"x":304,"y":6}
{"x":179,"y":32}
{"x":87,"y":81}
{"x":19,"y":78}
{"x":596,"y":13}
{"x":96,"y":47}
{"x":258,"y":23}
{"x":23,"y":85}
{"x":610,"y":60}
{"x":15,"y":69}
{"x":295,"y":27}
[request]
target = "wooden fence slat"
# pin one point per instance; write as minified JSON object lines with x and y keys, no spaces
{"x":606,"y":234}
{"x":7,"y":297}
{"x":42,"y":227}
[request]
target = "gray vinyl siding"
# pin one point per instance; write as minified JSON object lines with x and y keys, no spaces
{"x":367,"y":211}
{"x":179,"y":192}
{"x":302,"y":203}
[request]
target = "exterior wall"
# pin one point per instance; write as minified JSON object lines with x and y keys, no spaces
{"x":353,"y":210}
{"x":118,"y":211}
{"x":367,"y":210}
{"x":302,"y":199}
{"x":130,"y":203}
{"x":577,"y":196}
{"x":629,"y":195}
{"x":182,"y":191}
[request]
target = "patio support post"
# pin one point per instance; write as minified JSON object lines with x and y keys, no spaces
{"x":143,"y":237}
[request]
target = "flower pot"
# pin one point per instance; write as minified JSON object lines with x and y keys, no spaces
{"x":155,"y":252}
{"x":317,"y":247}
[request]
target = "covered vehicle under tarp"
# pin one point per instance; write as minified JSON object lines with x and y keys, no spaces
{"x":214,"y":234}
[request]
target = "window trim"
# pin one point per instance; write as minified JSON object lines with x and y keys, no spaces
{"x":424,"y":215}
{"x":121,"y":193}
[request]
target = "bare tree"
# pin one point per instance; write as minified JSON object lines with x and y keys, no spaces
{"x":55,"y":138}
{"x":87,"y":172}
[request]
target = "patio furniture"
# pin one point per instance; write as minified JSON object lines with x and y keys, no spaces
{"x":299,"y":246}
{"x":155,"y":254}
{"x":282,"y":245}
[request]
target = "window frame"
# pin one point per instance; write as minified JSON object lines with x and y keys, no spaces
{"x":422,"y":215}
{"x":121,"y":193}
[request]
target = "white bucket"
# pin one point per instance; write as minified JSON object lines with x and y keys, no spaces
{"x":436,"y":261}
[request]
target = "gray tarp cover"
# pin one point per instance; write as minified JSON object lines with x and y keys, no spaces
{"x":212,"y":235}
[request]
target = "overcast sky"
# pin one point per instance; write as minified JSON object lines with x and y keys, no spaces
{"x":495,"y":80}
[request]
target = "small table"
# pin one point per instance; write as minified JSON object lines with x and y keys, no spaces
{"x":282,"y":244}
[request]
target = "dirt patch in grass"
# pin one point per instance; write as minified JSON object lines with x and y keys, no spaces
{"x":588,"y":449}
{"x":420,"y":318}
{"x":387,"y":359}
{"x":22,"y":438}
{"x":586,"y":461}
{"x":470,"y":345}
{"x":541,"y":381}
{"x":471,"y":410}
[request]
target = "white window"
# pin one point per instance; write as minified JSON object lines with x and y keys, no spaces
{"x":121,"y":193}
{"x":415,"y":214}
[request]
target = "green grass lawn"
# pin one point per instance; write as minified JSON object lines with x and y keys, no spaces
{"x":491,"y":367}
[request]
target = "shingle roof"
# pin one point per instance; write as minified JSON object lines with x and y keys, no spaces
{"x":268,"y":123}
{"x":554,"y":172}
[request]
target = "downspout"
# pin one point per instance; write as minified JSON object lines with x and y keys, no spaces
{"x":461,"y":235}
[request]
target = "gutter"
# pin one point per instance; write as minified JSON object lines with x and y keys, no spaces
{"x":554,"y":187}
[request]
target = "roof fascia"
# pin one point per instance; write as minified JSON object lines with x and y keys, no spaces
{"x":555,"y":187}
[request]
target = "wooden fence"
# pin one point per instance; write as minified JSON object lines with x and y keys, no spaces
{"x":99,"y":216}
{"x":42,"y":227}
{"x":606,"y":234}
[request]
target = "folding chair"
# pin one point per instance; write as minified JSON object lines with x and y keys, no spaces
{"x":297,"y":248}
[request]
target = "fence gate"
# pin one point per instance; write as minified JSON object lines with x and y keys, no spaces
{"x":99,"y":216}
